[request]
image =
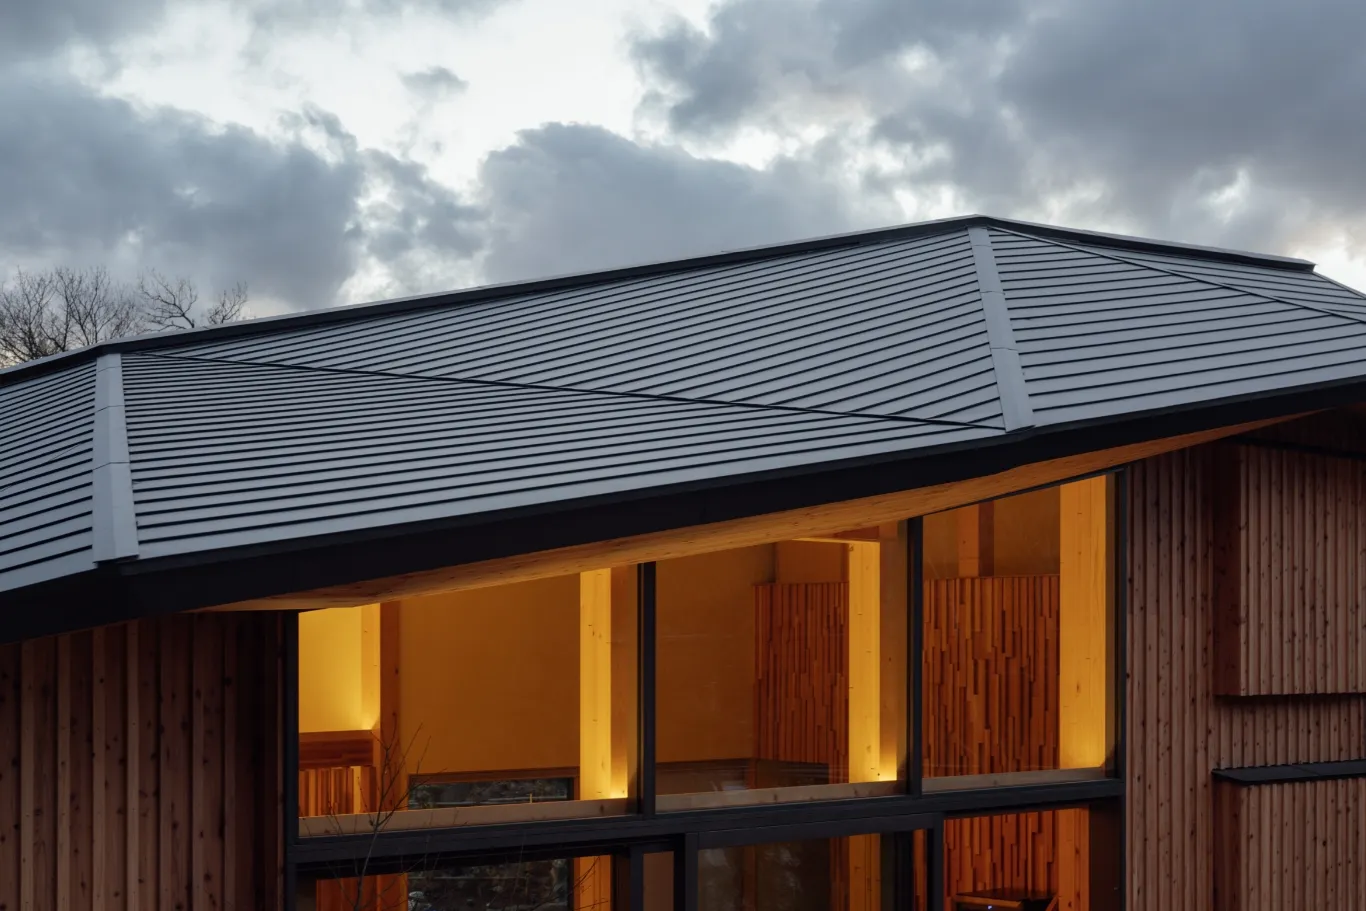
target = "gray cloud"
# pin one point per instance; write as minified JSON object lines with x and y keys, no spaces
{"x":33,"y":28}
{"x":88,"y":179}
{"x":1221,"y":122}
{"x":433,"y":83}
{"x":569,"y":198}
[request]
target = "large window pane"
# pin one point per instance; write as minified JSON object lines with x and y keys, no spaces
{"x":781,"y":671}
{"x":838,"y":874}
{"x":1017,"y":638}
{"x":498,"y":704}
{"x":1028,"y":861}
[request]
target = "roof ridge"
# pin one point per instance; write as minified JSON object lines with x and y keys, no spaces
{"x":1106,"y":254}
{"x":1011,"y":385}
{"x":547,"y":387}
{"x":113,"y":513}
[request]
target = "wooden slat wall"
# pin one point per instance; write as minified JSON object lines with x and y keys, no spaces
{"x":1017,"y":851}
{"x":123,"y":754}
{"x":1177,"y":730}
{"x":1290,"y":572}
{"x":1300,"y":845}
{"x":801,"y":668}
{"x":991,"y":675}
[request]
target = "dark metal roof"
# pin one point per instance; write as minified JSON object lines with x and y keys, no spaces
{"x":921,"y":342}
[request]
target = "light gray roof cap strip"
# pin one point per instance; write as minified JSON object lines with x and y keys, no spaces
{"x":1005,"y":358}
{"x":115,"y":522}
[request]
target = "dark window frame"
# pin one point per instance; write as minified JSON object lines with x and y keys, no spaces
{"x":627,"y":838}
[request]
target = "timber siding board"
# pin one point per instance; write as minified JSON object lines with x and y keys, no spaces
{"x":94,"y":773}
{"x":1178,"y":730}
{"x":1290,"y":572}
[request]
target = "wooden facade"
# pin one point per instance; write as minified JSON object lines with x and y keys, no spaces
{"x":1291,"y":845}
{"x":140,"y":767}
{"x":1180,"y":728}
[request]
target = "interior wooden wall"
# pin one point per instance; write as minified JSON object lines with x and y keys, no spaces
{"x":801,"y":674}
{"x":1290,"y":528}
{"x":139,"y":767}
{"x":1294,"y":845}
{"x":991,"y":675}
{"x":1177,"y":730}
{"x":1018,"y":851}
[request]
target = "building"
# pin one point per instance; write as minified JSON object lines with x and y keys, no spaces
{"x":876,"y":571}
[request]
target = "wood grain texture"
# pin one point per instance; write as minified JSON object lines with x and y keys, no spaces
{"x":1018,"y":851}
{"x":1178,"y":730}
{"x":1294,"y":845}
{"x":91,"y":779}
{"x":801,"y":674}
{"x":1290,"y":572}
{"x":991,"y":675}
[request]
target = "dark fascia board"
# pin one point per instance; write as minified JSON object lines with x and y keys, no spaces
{"x":1290,"y":774}
{"x":285,"y":322}
{"x":127,"y":590}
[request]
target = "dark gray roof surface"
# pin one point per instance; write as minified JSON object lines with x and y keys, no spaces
{"x":927,"y":339}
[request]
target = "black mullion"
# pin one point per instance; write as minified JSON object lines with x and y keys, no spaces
{"x":915,"y":646}
{"x":1119,"y":566}
{"x":289,"y":748}
{"x":685,"y":873}
{"x":646,"y":702}
{"x":628,"y":879}
{"x":934,"y":866}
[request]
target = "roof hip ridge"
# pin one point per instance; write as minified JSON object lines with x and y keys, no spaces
{"x":1011,"y":384}
{"x":113,"y":513}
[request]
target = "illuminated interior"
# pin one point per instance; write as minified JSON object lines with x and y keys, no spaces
{"x":781,"y":671}
{"x":1020,"y":862}
{"x":1016,"y":636}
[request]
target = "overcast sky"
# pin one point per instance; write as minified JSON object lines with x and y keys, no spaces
{"x":334,"y":151}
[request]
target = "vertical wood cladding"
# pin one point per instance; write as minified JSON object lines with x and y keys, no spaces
{"x":991,"y":675}
{"x":1178,"y":730}
{"x":801,"y":669}
{"x":1290,"y":572}
{"x":1293,"y":845}
{"x":139,"y":767}
{"x":1041,"y":852}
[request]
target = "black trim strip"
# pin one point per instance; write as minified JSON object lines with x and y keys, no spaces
{"x":605,"y":835}
{"x":915,"y":658}
{"x":645,"y":688}
{"x":1005,"y":357}
{"x":112,"y":513}
{"x":1290,"y":774}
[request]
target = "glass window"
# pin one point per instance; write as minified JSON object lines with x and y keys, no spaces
{"x":1028,"y":861}
{"x":1017,"y":638}
{"x":838,"y":874}
{"x":781,"y":671}
{"x":498,"y":704}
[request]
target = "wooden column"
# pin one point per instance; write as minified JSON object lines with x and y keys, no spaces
{"x":977,"y":540}
{"x":865,"y":639}
{"x":607,"y":754}
{"x":1084,"y":610}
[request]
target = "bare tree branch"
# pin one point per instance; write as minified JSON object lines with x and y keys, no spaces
{"x":46,"y":313}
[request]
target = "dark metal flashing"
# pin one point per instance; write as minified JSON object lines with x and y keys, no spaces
{"x":115,"y":522}
{"x":1291,"y":774}
{"x":490,"y":292}
{"x":1005,"y":357}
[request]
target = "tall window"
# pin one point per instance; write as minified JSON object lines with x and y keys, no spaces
{"x":499,"y":704}
{"x":781,"y":671}
{"x":1017,"y":637}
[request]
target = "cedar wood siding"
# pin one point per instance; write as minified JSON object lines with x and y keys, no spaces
{"x":139,"y":767}
{"x":1179,"y":837}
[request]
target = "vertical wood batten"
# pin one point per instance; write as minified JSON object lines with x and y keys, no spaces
{"x":10,"y":766}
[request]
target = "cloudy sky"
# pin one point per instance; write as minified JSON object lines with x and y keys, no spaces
{"x":334,"y":151}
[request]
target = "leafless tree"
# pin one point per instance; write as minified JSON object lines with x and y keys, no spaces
{"x":172,"y":303}
{"x":46,"y":313}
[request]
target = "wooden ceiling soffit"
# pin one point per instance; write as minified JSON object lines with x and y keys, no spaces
{"x":830,"y":521}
